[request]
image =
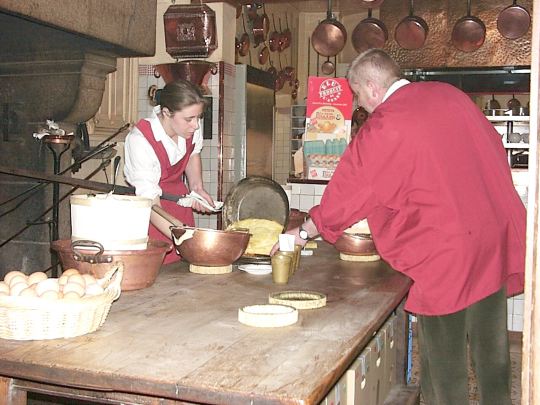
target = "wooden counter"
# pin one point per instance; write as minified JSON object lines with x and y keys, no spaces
{"x":180,"y":340}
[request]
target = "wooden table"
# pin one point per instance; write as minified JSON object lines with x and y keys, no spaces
{"x":180,"y":340}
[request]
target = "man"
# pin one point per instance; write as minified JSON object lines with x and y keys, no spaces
{"x":430,"y":174}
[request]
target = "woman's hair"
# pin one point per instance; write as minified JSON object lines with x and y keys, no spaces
{"x":180,"y":94}
{"x":374,"y":65}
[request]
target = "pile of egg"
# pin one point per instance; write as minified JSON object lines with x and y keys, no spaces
{"x":70,"y":285}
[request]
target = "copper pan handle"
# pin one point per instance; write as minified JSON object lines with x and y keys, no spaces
{"x":164,"y":221}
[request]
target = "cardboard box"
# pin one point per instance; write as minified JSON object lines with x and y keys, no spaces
{"x":328,"y":125}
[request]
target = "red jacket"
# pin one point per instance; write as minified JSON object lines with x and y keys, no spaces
{"x":431,"y":175}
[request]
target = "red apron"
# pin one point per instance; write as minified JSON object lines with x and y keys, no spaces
{"x":170,"y":182}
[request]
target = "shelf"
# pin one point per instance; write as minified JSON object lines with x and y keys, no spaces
{"x":519,"y":145}
{"x":505,"y":118}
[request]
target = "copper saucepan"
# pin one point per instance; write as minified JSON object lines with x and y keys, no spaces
{"x":274,"y":37}
{"x":244,"y":40}
{"x":260,"y":29}
{"x":369,"y":33}
{"x":330,"y":36}
{"x":514,"y":21}
{"x":412,"y":31}
{"x":469,"y":32}
{"x":286,"y":34}
{"x":263,"y":55}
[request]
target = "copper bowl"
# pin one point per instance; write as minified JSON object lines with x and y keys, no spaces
{"x":209,"y":247}
{"x":356,"y":244}
{"x":141,"y":267}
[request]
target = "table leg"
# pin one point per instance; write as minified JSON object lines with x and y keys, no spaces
{"x":10,"y":395}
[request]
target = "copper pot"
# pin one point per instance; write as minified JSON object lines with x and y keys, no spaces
{"x":209,"y":247}
{"x":369,"y":33}
{"x":469,"y":32}
{"x":357,"y":244}
{"x":244,"y":41}
{"x":330,"y":36}
{"x":141,"y":267}
{"x":514,"y":21}
{"x":412,"y":31}
{"x":193,"y":71}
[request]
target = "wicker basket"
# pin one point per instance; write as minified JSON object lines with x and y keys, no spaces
{"x":32,"y":318}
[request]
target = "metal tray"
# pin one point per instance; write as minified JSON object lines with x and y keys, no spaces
{"x":256,"y":197}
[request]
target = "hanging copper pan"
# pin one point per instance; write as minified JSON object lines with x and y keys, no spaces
{"x":369,"y":33}
{"x":287,"y":34}
{"x":412,"y":31}
{"x":514,"y":21}
{"x":274,"y":37}
{"x":328,"y":67}
{"x":244,"y":41}
{"x":263,"y":55}
{"x":469,"y":32}
{"x":272,"y":70}
{"x":238,"y":10}
{"x":260,"y":29}
{"x":330,"y":36}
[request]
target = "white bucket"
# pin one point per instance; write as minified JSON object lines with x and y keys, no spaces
{"x":118,"y":222}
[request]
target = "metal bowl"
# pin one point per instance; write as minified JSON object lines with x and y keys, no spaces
{"x":209,"y":247}
{"x":357,"y":244}
{"x":141,"y":267}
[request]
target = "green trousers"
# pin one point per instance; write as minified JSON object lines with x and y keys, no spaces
{"x":442,"y":343}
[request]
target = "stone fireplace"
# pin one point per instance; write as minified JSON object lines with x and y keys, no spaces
{"x":54,"y":59}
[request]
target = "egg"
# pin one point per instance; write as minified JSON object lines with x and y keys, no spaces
{"x":63,"y":280}
{"x":74,"y":287}
{"x":70,"y":272}
{"x":36,"y":277}
{"x":16,"y":289}
{"x":89,"y":279}
{"x":51,"y":284}
{"x":16,"y":280}
{"x":94,"y":289}
{"x":11,"y":274}
{"x":50,"y":295}
{"x":3,"y":294}
{"x":77,"y":278}
{"x":72,"y":295}
{"x":4,"y":287}
{"x":28,"y":292}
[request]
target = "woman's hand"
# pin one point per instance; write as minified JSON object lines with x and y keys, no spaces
{"x":197,"y":206}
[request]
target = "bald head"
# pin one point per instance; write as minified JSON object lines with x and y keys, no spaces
{"x":370,"y":75}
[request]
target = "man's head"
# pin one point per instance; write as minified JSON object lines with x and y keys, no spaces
{"x":370,"y":75}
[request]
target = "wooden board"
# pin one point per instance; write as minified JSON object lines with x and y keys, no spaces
{"x":181,"y":339}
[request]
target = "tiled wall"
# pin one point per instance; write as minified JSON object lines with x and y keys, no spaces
{"x":305,"y":196}
{"x":282,"y":144}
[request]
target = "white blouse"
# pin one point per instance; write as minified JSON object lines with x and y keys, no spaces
{"x":141,"y":164}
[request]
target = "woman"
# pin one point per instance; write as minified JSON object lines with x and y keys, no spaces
{"x":160,"y":150}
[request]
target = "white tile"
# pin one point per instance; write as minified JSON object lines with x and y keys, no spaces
{"x":518,"y":307}
{"x":519,"y":297}
{"x":319,"y":189}
{"x":510,"y":306}
{"x":509,"y":324}
{"x":295,"y":201}
{"x":307,"y":189}
{"x":306,"y":202}
{"x":295,"y":190}
{"x":317,"y":199}
{"x":517,"y":323}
